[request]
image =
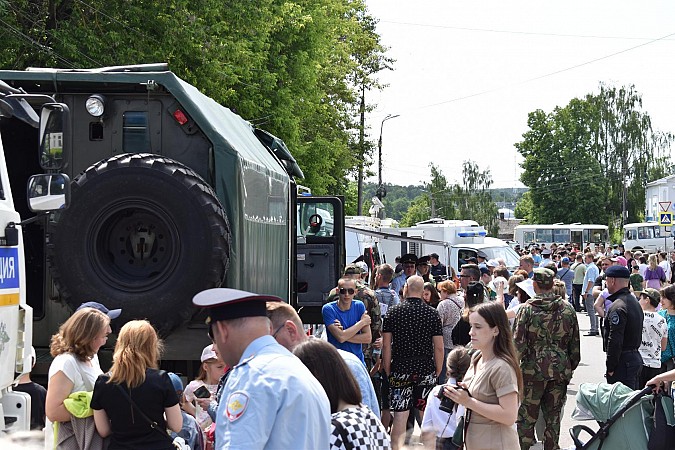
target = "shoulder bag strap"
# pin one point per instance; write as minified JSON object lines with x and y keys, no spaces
{"x":151,"y":422}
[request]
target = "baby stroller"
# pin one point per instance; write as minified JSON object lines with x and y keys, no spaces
{"x":626,"y":417}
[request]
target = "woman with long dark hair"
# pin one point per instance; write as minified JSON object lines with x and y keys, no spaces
{"x":354,"y":424}
{"x":493,"y":384}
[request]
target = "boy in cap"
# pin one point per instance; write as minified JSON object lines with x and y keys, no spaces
{"x":190,"y":432}
{"x":654,"y":335}
{"x":623,"y":330}
{"x":271,"y":400}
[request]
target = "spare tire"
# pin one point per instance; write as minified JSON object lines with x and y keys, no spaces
{"x":143,"y":233}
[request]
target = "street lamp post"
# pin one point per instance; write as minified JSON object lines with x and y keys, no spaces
{"x":380,"y":188}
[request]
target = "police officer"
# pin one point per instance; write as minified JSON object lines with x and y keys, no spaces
{"x":547,"y":338}
{"x":623,"y":330}
{"x":271,"y":400}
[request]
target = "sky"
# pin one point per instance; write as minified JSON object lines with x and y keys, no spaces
{"x":467,"y":73}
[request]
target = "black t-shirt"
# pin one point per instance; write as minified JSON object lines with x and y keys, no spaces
{"x":129,"y":428}
{"x":38,"y":396}
{"x":413,"y":325}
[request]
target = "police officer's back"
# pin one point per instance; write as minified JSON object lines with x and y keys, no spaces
{"x":623,"y":329}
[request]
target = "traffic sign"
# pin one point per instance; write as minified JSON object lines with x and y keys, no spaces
{"x":665,"y":219}
{"x":665,"y":206}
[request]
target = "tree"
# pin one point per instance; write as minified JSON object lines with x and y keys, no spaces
{"x":295,"y":69}
{"x":590,"y":160}
{"x":473,"y":198}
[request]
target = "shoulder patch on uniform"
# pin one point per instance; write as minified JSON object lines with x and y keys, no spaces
{"x":614,"y":318}
{"x":236,"y":405}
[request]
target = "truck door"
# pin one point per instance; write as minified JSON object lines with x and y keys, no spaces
{"x":320,"y":253}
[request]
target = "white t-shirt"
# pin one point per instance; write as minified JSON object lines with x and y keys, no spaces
{"x":666,"y":268}
{"x":203,"y":417}
{"x":82,"y":375}
{"x":654,"y":328}
{"x":442,"y":424}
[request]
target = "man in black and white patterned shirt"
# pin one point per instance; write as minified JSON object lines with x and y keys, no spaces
{"x":412,"y":354}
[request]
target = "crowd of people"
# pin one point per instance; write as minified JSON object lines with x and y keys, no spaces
{"x":479,"y":359}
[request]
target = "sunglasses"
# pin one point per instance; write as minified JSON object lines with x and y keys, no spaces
{"x":344,"y":291}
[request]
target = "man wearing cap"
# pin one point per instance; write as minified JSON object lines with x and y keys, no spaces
{"x":438,"y":270}
{"x":409,"y":263}
{"x":355,"y":272}
{"x":546,"y":334}
{"x":271,"y":400}
{"x":654,"y":335}
{"x":412,"y":355}
{"x":424,"y":269}
{"x":623,"y":330}
{"x":347,"y":321}
{"x":546,"y":258}
{"x":481,"y":256}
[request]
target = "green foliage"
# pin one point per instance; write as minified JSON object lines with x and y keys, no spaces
{"x":580,"y":159}
{"x":524,"y":208}
{"x":294,"y":68}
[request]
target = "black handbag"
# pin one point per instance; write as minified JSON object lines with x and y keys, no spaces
{"x":460,"y":431}
{"x":663,"y":434}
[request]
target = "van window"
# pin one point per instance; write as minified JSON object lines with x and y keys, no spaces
{"x":544,"y":235}
{"x":561,"y":236}
{"x":528,"y":236}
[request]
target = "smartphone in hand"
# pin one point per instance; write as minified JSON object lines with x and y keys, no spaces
{"x":202,"y":392}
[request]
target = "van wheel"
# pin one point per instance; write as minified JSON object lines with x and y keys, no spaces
{"x":143,"y":233}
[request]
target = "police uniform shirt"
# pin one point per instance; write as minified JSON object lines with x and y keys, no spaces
{"x":271,"y":401}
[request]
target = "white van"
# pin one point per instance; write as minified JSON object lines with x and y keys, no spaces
{"x":647,"y":236}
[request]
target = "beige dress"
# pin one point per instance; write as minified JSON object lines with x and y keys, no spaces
{"x":494,"y":380}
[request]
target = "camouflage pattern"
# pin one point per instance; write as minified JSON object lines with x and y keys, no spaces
{"x":550,"y":396}
{"x":546,"y":334}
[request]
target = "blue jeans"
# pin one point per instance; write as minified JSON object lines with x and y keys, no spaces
{"x":588,"y":303}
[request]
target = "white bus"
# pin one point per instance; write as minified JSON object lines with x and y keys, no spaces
{"x":648,"y":236}
{"x":583,"y":235}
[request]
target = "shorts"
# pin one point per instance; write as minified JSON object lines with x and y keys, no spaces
{"x":409,"y":390}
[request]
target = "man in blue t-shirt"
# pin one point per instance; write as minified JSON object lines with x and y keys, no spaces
{"x":346,"y":320}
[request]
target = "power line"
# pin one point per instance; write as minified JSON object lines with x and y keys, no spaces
{"x":526,"y":33}
{"x":550,"y":74}
{"x":40,"y":46}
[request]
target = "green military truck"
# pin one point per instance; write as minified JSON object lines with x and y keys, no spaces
{"x":171,"y":193}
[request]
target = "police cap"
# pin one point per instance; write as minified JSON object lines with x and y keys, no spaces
{"x":617,"y":272}
{"x":423,"y":260}
{"x":409,"y":258}
{"x":225,"y":303}
{"x":481,"y":254}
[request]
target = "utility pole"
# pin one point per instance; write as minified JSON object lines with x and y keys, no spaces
{"x":359,"y":204}
{"x":381,"y":191}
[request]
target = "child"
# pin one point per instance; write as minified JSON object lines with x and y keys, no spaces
{"x":654,"y":335}
{"x":636,"y":279}
{"x":190,"y":432}
{"x":438,"y":426}
{"x":211,"y":370}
